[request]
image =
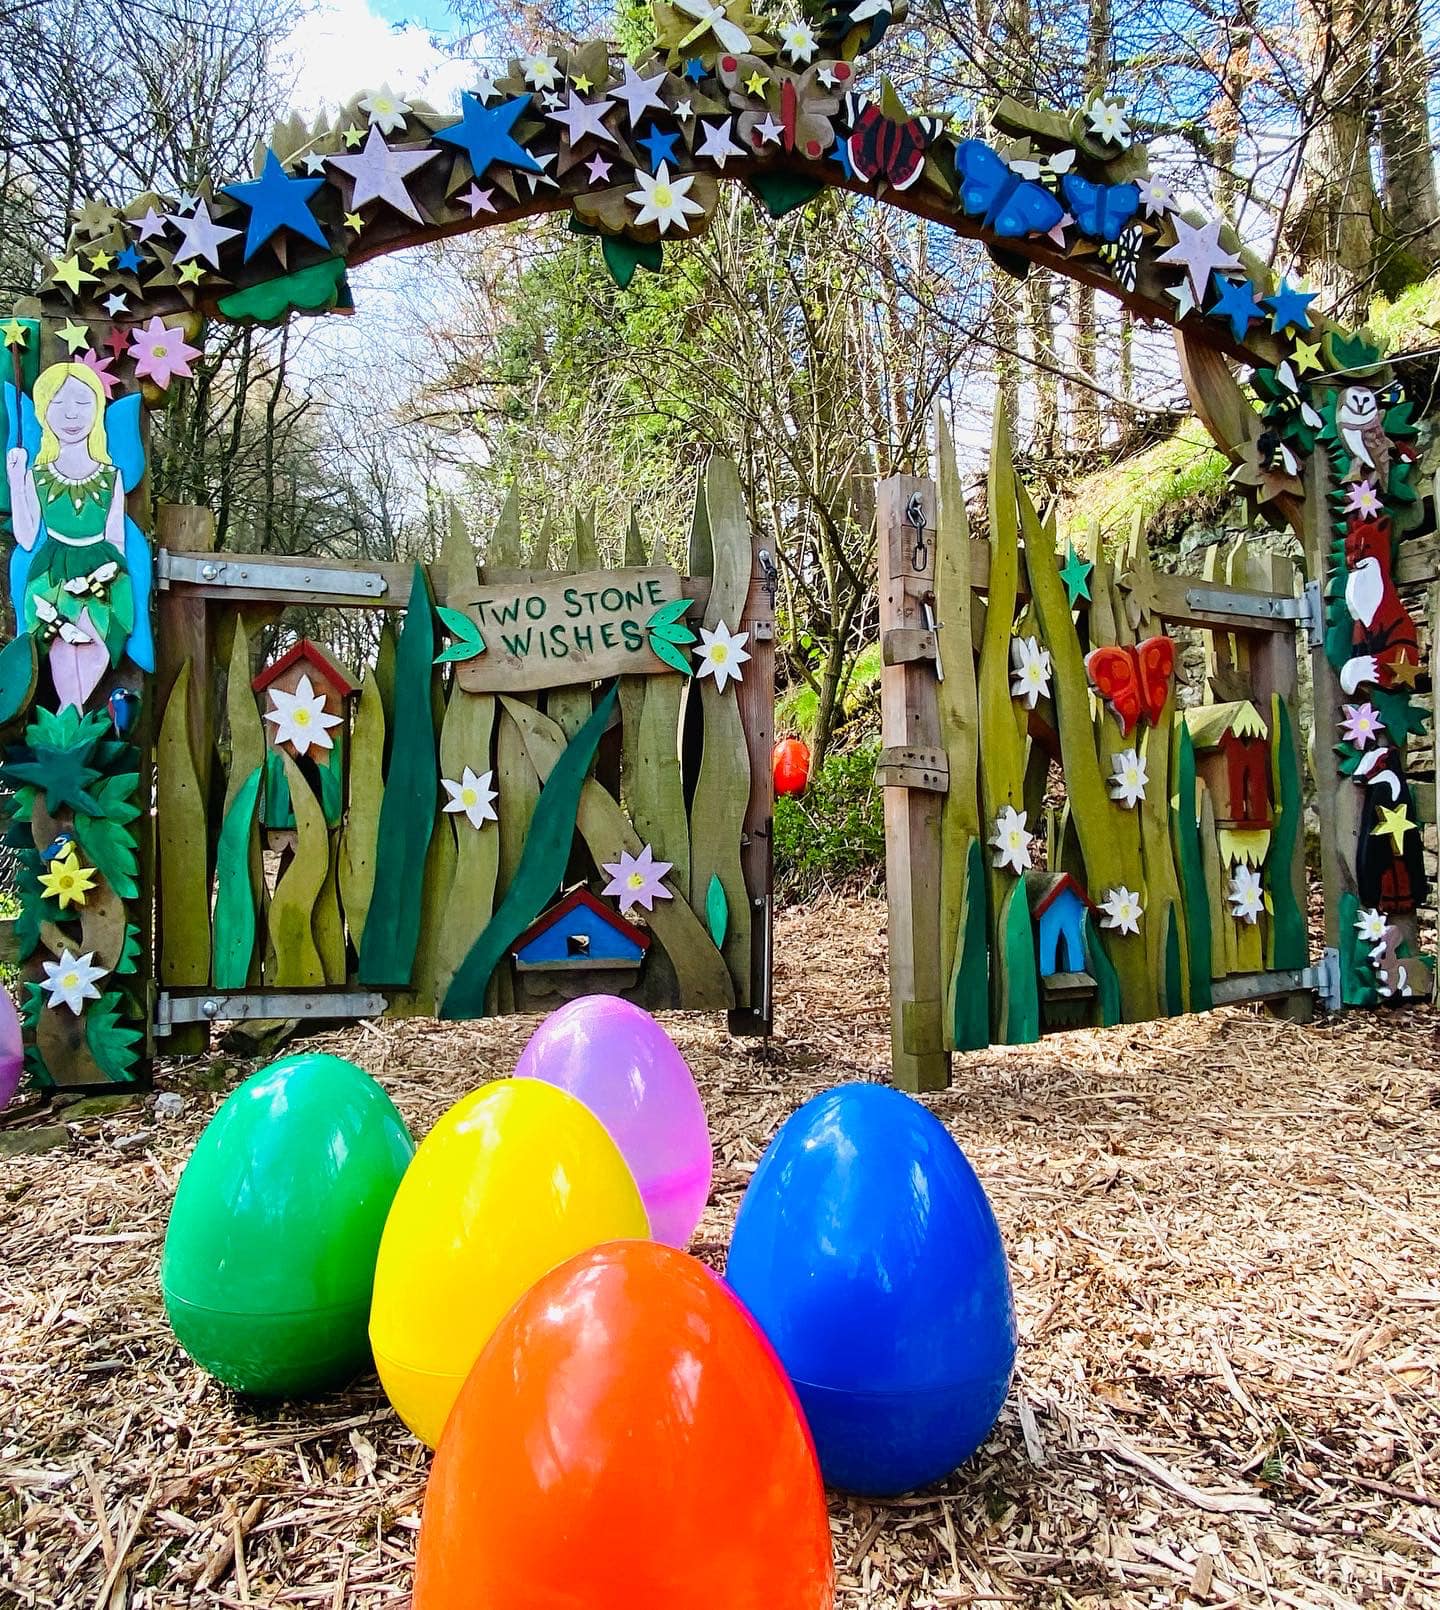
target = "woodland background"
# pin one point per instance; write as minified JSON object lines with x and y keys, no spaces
{"x":814,"y":350}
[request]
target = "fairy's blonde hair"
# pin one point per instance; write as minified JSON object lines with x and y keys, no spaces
{"x":47,"y":384}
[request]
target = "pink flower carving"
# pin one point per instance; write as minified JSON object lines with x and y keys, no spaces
{"x":100,"y":367}
{"x":161,"y":352}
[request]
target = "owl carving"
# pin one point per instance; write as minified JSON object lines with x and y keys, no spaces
{"x":1357,"y":419}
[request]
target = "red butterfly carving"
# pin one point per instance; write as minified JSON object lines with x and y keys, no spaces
{"x":1133,"y":681}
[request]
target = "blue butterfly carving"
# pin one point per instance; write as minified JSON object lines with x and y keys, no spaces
{"x":1101,"y":210}
{"x":991,"y":189}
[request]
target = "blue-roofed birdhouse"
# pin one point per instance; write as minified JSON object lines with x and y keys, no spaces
{"x":577,"y":933}
{"x":1057,"y":908}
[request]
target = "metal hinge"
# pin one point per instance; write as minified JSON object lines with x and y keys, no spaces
{"x":1324,"y":978}
{"x":171,"y":1010}
{"x":205,"y":570}
{"x":1308,"y":610}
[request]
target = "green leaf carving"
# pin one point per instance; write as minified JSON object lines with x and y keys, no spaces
{"x":111,"y":847}
{"x":970,"y":983}
{"x":18,"y":669}
{"x":623,"y":257}
{"x":307,"y":290}
{"x":717,"y":911}
{"x":1102,"y":970}
{"x":234,"y":925}
{"x":668,"y":614}
{"x":468,"y":641}
{"x":670,"y":654}
{"x":541,"y":868}
{"x":407,"y":812}
{"x":112,"y":1043}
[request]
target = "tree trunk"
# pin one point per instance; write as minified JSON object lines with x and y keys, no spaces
{"x":1412,"y":206}
{"x":1333,"y":234}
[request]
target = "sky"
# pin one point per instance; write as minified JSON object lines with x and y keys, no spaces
{"x":343,"y":46}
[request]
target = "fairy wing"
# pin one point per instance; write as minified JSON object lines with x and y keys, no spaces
{"x":1155,"y":662}
{"x":1115,"y":675}
{"x":122,"y":438}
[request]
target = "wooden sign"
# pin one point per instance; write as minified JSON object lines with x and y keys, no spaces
{"x":566,"y":629}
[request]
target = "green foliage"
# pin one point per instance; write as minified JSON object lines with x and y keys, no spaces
{"x":1185,"y":468}
{"x":468,"y":641}
{"x":833,"y":835}
{"x":797,"y":709}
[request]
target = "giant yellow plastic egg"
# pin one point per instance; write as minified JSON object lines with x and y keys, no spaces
{"x":515,"y":1178}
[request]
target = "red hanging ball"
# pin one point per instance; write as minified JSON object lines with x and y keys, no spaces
{"x":791,"y":762}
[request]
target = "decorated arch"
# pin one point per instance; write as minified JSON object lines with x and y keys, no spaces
{"x":634,"y":155}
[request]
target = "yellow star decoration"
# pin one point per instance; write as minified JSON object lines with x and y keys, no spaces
{"x":101,"y":260}
{"x":1307,"y":357}
{"x":354,"y":221}
{"x":583,"y":82}
{"x":67,"y":881}
{"x":756,"y":83}
{"x":74,"y":335}
{"x":189,"y":273}
{"x":15,"y":333}
{"x":68,"y":272}
{"x":352,"y":137}
{"x":1396,"y":822}
{"x":1404,"y":670}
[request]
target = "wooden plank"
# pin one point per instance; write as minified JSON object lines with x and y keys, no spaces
{"x":1002,"y":726}
{"x":465,"y":741}
{"x":722,"y":785}
{"x":358,"y":841}
{"x":1418,"y":563}
{"x":1222,"y":925}
{"x":1185,"y":827}
{"x":910,"y":717}
{"x":184,"y":879}
{"x":294,"y":961}
{"x":325,"y":924}
{"x":570,"y":702}
{"x":703,"y":978}
{"x":182,"y":635}
{"x":964,"y":953}
{"x":755,"y":697}
{"x":906,"y":644}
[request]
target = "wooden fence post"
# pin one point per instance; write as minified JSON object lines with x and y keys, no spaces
{"x":914,"y":772}
{"x":182,"y":957}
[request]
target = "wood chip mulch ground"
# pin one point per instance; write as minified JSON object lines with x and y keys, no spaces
{"x":1225,"y":1242}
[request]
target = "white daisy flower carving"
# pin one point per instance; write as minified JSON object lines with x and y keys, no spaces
{"x":663,"y":200}
{"x":721,"y":654}
{"x":1011,"y":840}
{"x":1122,"y":909}
{"x":1030,"y":670}
{"x":71,"y":981}
{"x":1247,"y":898}
{"x":1127,"y":784}
{"x":472,"y":796}
{"x":300,"y":718}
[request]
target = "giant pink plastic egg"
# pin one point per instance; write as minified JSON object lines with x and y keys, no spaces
{"x":617,"y":1059}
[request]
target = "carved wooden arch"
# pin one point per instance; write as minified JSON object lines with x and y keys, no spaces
{"x":1323,"y":440}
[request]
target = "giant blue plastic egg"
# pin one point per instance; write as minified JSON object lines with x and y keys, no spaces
{"x":867,"y":1250}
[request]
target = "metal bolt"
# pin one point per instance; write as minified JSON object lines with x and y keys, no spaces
{"x":209,"y":572}
{"x":210,"y":1008}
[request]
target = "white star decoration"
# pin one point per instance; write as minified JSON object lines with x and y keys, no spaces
{"x":380,"y":171}
{"x":721,"y":654}
{"x":1011,"y":840}
{"x":716,"y":143}
{"x":1122,"y":909}
{"x":581,"y":117}
{"x":639,"y":94}
{"x":300,"y":718}
{"x":472,"y":796}
{"x":1200,"y":251}
{"x":201,"y":235}
{"x":664,"y":200}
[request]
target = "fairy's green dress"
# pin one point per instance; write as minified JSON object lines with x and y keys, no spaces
{"x":75,"y":568}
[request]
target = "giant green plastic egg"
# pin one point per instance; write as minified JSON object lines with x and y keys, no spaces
{"x":270,"y":1251}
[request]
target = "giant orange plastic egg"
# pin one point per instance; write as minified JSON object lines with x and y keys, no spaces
{"x":626,"y":1441}
{"x":514,"y":1179}
{"x":790,"y":760}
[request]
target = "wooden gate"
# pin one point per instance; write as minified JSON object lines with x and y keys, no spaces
{"x":553,"y":780}
{"x":1093,"y":802}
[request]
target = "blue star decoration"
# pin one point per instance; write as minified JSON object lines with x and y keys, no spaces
{"x":694,"y":69}
{"x":660,"y":146}
{"x":1289,"y":307}
{"x":276,"y":202}
{"x":128,"y":260}
{"x":841,"y":154}
{"x":483,"y":134}
{"x":1237,"y":303}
